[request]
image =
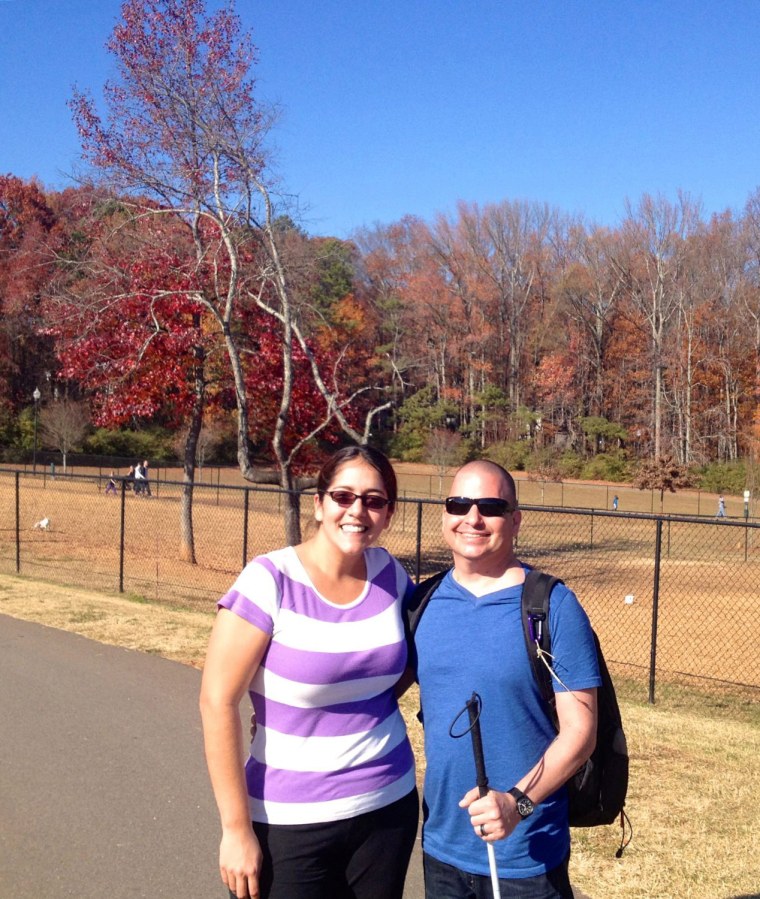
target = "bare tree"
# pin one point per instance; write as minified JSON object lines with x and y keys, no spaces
{"x":444,"y":449}
{"x":656,"y":231}
{"x":592,"y":290}
{"x":64,"y":425}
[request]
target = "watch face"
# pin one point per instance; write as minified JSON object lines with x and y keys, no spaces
{"x":524,"y":807}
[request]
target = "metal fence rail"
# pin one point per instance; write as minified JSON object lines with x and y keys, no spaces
{"x":671,"y":597}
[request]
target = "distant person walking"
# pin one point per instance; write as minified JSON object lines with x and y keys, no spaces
{"x":615,"y":502}
{"x":142,"y":485}
{"x":111,"y":484}
{"x":721,"y":507}
{"x":146,"y":479}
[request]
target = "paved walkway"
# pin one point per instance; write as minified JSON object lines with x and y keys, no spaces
{"x":102,"y":784}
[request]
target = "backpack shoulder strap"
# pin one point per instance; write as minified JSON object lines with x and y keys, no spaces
{"x":413,"y":609}
{"x":535,"y":620}
{"x":419,"y":599}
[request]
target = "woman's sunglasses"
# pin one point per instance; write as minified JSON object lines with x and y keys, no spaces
{"x":489,"y":507}
{"x":346,"y":499}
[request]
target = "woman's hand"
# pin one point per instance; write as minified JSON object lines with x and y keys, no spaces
{"x":240,"y":863}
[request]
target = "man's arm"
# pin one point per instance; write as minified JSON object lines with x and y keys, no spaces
{"x":497,"y":811}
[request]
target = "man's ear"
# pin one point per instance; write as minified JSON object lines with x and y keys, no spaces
{"x":516,"y":520}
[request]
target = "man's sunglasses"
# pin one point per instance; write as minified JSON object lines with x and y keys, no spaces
{"x":346,"y":499}
{"x":489,"y":507}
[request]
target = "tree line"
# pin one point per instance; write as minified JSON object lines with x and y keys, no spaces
{"x":173,"y":286}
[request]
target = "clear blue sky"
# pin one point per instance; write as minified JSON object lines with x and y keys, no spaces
{"x":395,"y":107}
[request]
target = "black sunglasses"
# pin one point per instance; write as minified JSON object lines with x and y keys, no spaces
{"x":346,"y":499}
{"x":489,"y":507}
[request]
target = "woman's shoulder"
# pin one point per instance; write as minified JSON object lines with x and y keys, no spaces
{"x":378,"y":559}
{"x":270,"y":566}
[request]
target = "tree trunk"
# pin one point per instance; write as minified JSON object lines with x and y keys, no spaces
{"x":186,"y":536}
{"x":292,"y":511}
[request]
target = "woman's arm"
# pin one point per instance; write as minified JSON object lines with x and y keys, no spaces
{"x":234,"y":653}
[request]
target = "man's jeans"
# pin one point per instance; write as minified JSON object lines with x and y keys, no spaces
{"x":443,"y":881}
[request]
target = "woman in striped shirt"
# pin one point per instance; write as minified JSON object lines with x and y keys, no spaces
{"x":314,"y":633}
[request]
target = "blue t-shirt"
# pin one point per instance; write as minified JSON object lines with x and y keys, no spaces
{"x":469,"y":644}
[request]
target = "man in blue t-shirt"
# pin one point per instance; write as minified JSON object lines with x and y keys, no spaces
{"x":470,"y":639}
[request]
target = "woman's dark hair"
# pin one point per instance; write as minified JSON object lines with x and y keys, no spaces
{"x":372,"y":457}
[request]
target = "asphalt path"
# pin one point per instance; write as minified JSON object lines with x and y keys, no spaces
{"x":103,"y":787}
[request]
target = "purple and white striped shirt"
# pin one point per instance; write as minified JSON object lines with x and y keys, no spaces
{"x":330,"y":741}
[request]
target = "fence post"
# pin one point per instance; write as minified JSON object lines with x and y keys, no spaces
{"x":419,"y":542}
{"x":668,"y":538}
{"x":591,"y":542}
{"x":655,"y":609}
{"x":121,"y":534}
{"x":246,"y":503}
{"x":746,"y":542}
{"x":18,"y":524}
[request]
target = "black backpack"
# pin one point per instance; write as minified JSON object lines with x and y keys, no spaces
{"x":596,"y":793}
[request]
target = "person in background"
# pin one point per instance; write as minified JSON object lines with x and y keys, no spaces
{"x":326,"y":806}
{"x":615,"y":503}
{"x":145,"y":478}
{"x":470,"y":639}
{"x":142,"y":485}
{"x":111,"y":484}
{"x":721,"y":513}
{"x":139,"y":478}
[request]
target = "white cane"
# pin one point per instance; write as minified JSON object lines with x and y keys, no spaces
{"x":473,"y":712}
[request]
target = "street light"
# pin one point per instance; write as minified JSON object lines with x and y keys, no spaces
{"x":36,"y":397}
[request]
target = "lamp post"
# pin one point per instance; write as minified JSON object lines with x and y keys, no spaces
{"x":36,"y":397}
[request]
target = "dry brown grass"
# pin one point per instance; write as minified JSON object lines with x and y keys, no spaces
{"x":119,"y":621}
{"x":695,"y":779}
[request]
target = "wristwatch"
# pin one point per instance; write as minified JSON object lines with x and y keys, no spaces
{"x":525,"y":807}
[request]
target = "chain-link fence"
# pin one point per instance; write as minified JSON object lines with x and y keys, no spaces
{"x":671,"y":597}
{"x":415,"y":484}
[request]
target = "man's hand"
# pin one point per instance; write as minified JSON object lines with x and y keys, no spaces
{"x":493,"y":816}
